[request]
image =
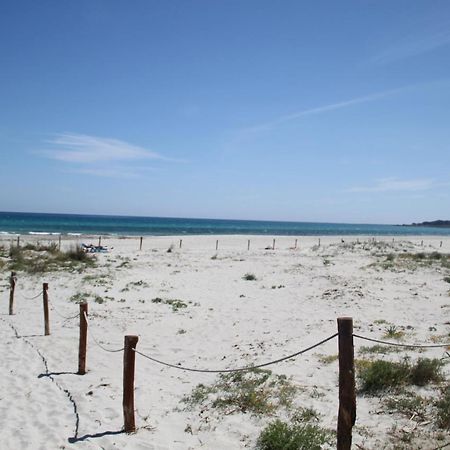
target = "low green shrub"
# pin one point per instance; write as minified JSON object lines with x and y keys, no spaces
{"x":426,"y":371}
{"x":255,"y":391}
{"x":33,"y":258}
{"x":175,"y":303}
{"x":280,"y":435}
{"x":249,"y":277}
{"x":381,"y":375}
{"x":443,"y":408}
{"x":393,"y":332}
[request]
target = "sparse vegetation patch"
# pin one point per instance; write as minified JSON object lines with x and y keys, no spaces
{"x":380,"y":375}
{"x":443,"y":408}
{"x":412,"y":261}
{"x":175,"y":303}
{"x":280,"y":435}
{"x":33,"y":258}
{"x":393,"y":332}
{"x":255,"y":391}
{"x":249,"y":277}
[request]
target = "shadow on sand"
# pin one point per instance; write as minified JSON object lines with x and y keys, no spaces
{"x":72,"y":440}
{"x":52,"y":374}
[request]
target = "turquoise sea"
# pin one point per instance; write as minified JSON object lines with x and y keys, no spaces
{"x":75,"y":224}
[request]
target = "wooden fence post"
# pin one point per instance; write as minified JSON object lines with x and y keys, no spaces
{"x":46,"y":315}
{"x":140,"y":243}
{"x":441,"y":244}
{"x":59,"y":242}
{"x":128,"y":383}
{"x":295,"y":245}
{"x":83,"y":339}
{"x":273,"y":245}
{"x":421,"y":244}
{"x":319,"y":242}
{"x":248,"y":245}
{"x":217,"y":244}
{"x":99,"y":241}
{"x":181,"y":242}
{"x":347,"y":397}
{"x":12,"y":287}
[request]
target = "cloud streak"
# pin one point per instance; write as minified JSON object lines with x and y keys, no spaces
{"x":413,"y":47}
{"x":324,"y":109}
{"x":84,"y":149}
{"x":397,"y":185}
{"x":99,"y":156}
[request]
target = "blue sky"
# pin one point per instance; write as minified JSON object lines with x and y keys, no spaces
{"x":289,"y":110}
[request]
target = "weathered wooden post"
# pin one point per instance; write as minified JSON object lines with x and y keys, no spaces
{"x":181,"y":242}
{"x":217,"y":244}
{"x":140,"y":243}
{"x":319,"y":242}
{"x":59,"y":242}
{"x":421,"y":244}
{"x":46,"y":315}
{"x":99,"y":241}
{"x":347,"y":397}
{"x":441,"y":244}
{"x":18,"y":241}
{"x":129,"y":357}
{"x":12,"y":287}
{"x":83,"y":339}
{"x":273,"y":245}
{"x":295,"y":245}
{"x":248,"y":244}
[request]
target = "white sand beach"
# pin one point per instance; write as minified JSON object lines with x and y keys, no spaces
{"x":222,"y":320}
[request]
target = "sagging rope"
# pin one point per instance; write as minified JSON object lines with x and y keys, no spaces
{"x":59,"y":314}
{"x":98,"y":343}
{"x":239,"y":369}
{"x":30,"y":298}
{"x":397,"y":344}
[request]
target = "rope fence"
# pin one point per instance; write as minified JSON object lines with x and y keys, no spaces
{"x":290,"y":242}
{"x":96,"y":341}
{"x":30,"y":298}
{"x":239,"y":369}
{"x":398,"y":344}
{"x":345,"y":335}
{"x":53,"y":307}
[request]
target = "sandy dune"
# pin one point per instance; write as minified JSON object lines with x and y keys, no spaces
{"x":223,"y":321}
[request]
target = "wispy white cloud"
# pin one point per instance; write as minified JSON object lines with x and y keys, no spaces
{"x":396,"y":184}
{"x":100,"y":157}
{"x":413,"y":46}
{"x":114,"y":172}
{"x":323,"y":109}
{"x":82,"y":148}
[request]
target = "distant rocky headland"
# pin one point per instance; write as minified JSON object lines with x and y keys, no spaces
{"x":434,"y":223}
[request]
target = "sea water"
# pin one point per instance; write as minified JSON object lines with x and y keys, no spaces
{"x":76,"y":224}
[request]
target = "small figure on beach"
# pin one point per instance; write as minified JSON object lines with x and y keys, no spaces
{"x":90,"y":248}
